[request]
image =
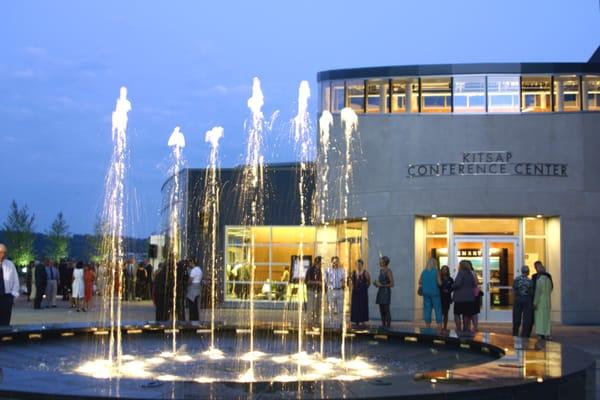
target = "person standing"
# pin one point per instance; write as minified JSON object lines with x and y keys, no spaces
{"x":314,"y":286}
{"x":51,"y":284}
{"x":540,"y":270}
{"x":429,"y":286}
{"x":464,"y":297}
{"x":140,"y":281}
{"x":361,"y":280}
{"x":129,"y":278}
{"x":335,"y":279}
{"x":89,"y":279}
{"x":78,"y":287}
{"x":446,"y":294}
{"x":194,"y":291}
{"x":29,"y":279}
{"x":41,"y":278}
{"x":384,"y":285}
{"x":478,"y":293}
{"x":523,"y":306}
{"x":541,"y":303}
{"x":149,"y":279}
{"x":63,"y":279}
{"x":9,"y":286}
{"x":162,"y":293}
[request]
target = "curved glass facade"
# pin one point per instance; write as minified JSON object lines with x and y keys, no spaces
{"x":464,"y":94}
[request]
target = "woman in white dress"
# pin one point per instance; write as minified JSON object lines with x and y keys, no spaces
{"x":78,"y":287}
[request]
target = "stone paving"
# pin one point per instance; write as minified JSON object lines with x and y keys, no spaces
{"x":586,"y":338}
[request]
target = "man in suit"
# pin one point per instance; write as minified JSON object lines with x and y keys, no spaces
{"x":41,"y":278}
{"x":9,"y":286}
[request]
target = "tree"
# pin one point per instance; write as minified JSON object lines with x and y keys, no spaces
{"x":18,"y":230}
{"x":96,"y":241}
{"x":59,"y":236}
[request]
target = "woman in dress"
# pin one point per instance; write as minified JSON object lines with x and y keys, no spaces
{"x":360,"y":282}
{"x":429,"y":285}
{"x":446,"y":294}
{"x":384,"y":285}
{"x":89,"y":277}
{"x":541,"y":303}
{"x":77,"y":288}
{"x":464,"y":298}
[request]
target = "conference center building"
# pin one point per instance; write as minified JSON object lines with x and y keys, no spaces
{"x":494,"y":163}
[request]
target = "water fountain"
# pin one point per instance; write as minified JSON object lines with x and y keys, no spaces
{"x":141,"y":362}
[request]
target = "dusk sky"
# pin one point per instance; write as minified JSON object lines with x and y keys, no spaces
{"x":191,"y":63}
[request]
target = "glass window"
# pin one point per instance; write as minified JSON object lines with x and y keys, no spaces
{"x":437,"y":226}
{"x":437,"y":248}
{"x":469,"y":94}
{"x":337,"y":96}
{"x":325,"y":96}
{"x":405,"y":95}
{"x":535,"y":94}
{"x":534,"y":227}
{"x":436,"y":95}
{"x":591,"y":93}
{"x":484,"y":226}
{"x":535,"y":250}
{"x":355,"y":91}
{"x":503,"y":93}
{"x":377,"y":96}
{"x":566,"y":93}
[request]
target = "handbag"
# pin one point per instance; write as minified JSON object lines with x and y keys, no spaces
{"x":420,"y":291}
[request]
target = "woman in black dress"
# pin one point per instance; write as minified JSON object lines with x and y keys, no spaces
{"x":360,"y":281}
{"x":446,"y":294}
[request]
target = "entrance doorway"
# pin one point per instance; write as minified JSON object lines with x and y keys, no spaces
{"x":494,"y":260}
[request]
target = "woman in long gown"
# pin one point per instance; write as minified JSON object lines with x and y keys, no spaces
{"x":89,"y":276}
{"x":360,"y":280}
{"x":541,"y":305}
{"x":77,"y":287}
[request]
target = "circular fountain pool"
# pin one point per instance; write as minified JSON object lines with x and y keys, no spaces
{"x":68,"y":362}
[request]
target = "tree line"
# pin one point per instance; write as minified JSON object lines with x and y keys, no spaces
{"x":56,"y":243}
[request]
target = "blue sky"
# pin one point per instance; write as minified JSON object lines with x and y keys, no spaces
{"x":191,"y":63}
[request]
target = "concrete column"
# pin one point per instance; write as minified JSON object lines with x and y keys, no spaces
{"x":408,"y":97}
{"x":560,"y":103}
{"x":383,"y":97}
{"x":584,"y":97}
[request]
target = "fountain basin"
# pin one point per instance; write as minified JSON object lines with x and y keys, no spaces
{"x":49,"y":362}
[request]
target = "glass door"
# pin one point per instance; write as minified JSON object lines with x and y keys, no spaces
{"x":493,"y":259}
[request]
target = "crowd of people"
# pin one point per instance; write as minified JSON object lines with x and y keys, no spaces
{"x":531,"y":298}
{"x":177,"y":291}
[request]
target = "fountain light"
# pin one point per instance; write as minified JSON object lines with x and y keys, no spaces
{"x":357,"y":364}
{"x":155,"y":360}
{"x":204,"y":379}
{"x":346,"y":378}
{"x":285,"y":378}
{"x":322,"y":367}
{"x":280,"y":359}
{"x":252,"y":356}
{"x":214,"y":354}
{"x":167,"y":354}
{"x":183,"y":358}
{"x":247,"y":376}
{"x":134,"y":369}
{"x":167,"y":378}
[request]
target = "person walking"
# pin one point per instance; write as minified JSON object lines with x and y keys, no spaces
{"x":63,"y":279}
{"x":464,"y":297}
{"x":360,"y":282}
{"x":194,"y":292}
{"x":41,"y":279}
{"x":51,"y":284}
{"x":541,"y":303}
{"x":384,"y":284}
{"x":335,"y":279}
{"x":446,"y":294}
{"x":523,"y":303}
{"x":314,"y":289}
{"x":429,"y":287}
{"x":89,"y":280}
{"x":78,"y":287}
{"x":9,"y":286}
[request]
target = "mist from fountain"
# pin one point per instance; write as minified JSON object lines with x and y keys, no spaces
{"x":210,"y":220}
{"x":349,"y":121}
{"x":176,"y":142}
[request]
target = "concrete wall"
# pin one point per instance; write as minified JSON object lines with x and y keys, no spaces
{"x":382,"y":191}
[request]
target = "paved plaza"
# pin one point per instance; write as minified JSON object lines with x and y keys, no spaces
{"x":586,"y":338}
